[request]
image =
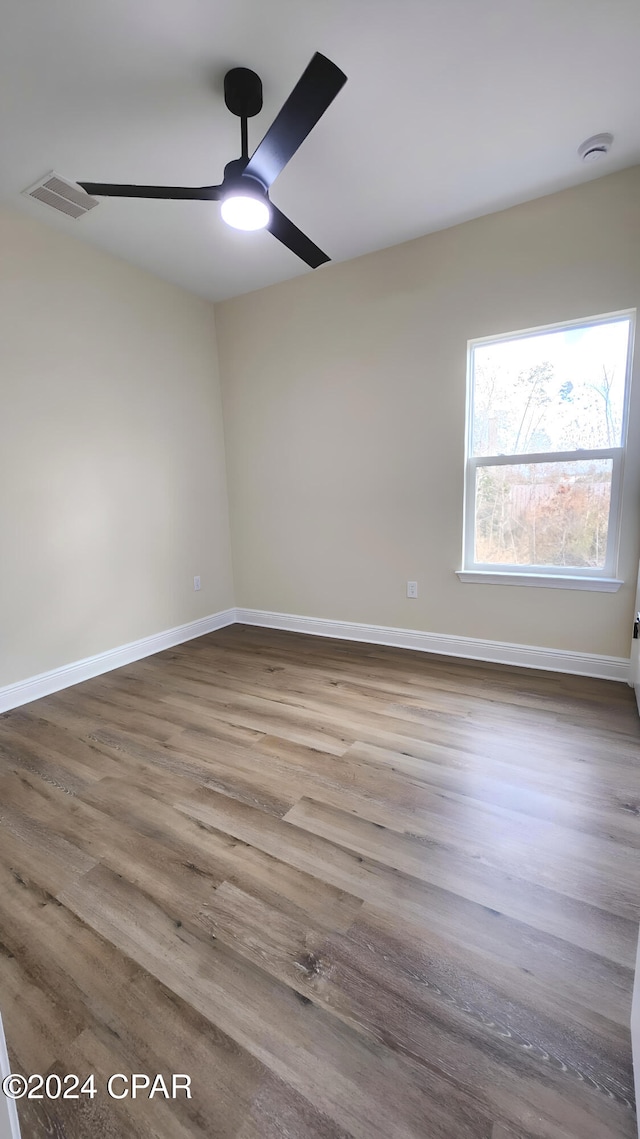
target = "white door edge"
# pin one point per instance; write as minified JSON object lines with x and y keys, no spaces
{"x":9,"y":1126}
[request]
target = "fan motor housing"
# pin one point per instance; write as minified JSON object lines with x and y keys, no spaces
{"x":236,"y":180}
{"x":243,"y":92}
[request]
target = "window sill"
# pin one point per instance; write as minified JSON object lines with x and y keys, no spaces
{"x":546,"y":580}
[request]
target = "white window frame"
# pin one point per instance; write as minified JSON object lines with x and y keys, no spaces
{"x":568,"y":577}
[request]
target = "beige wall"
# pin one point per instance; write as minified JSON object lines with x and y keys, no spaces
{"x":112,"y":476}
{"x":344,"y":424}
{"x":344,"y":401}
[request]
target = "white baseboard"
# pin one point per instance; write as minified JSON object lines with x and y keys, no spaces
{"x":471,"y":648}
{"x":499,"y":652}
{"x":13,"y":695}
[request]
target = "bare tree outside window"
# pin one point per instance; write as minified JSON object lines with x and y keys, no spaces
{"x":547,"y":412}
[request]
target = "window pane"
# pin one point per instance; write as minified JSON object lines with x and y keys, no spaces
{"x":553,"y":391}
{"x":543,"y":514}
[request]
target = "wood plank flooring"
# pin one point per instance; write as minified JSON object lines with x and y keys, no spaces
{"x":351,"y":891}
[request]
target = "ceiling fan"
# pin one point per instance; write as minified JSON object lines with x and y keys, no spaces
{"x":244,"y":190}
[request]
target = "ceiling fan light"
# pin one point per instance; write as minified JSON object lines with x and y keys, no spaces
{"x":245,"y":211}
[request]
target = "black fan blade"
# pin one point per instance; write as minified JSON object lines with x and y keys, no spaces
{"x":308,"y":101}
{"x":107,"y":190}
{"x":295,"y":239}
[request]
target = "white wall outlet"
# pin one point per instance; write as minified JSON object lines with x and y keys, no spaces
{"x":196,"y":583}
{"x":412,"y":589}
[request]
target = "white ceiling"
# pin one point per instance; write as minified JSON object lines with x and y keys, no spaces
{"x":453,"y":108}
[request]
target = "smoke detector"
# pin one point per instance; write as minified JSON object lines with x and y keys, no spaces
{"x":66,"y":197}
{"x":595,"y":147}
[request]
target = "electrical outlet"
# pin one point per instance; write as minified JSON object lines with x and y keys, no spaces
{"x":196,"y":583}
{"x":412,"y":589}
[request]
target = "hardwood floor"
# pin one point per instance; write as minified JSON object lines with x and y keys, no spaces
{"x":351,"y":891}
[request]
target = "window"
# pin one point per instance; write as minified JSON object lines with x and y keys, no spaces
{"x":546,"y":432}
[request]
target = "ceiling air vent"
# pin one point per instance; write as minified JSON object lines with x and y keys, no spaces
{"x":66,"y":197}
